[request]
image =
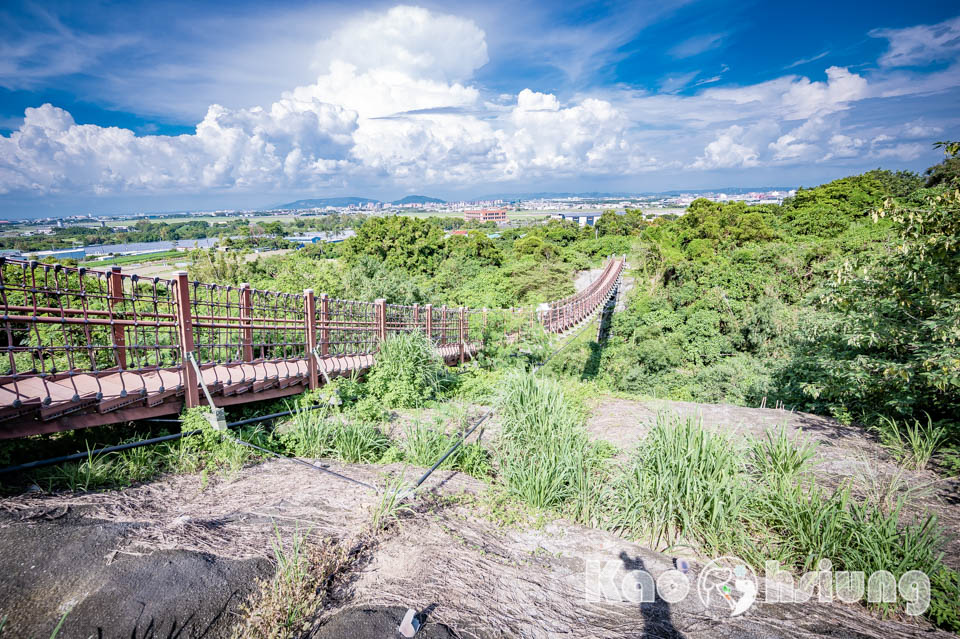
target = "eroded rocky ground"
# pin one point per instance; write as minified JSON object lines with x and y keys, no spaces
{"x":177,"y":556}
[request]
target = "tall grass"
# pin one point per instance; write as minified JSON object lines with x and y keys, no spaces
{"x":805,"y":524}
{"x":423,"y":444}
{"x":687,"y":485}
{"x":544,"y":455}
{"x":391,"y":505}
{"x":314,"y":434}
{"x":683,"y":484}
{"x":408,"y":371}
{"x":912,"y":444}
{"x":779,"y":455}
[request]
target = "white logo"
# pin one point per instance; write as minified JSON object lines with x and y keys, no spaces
{"x":730,"y":580}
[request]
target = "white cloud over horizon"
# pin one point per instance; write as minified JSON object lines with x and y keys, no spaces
{"x":395,"y":98}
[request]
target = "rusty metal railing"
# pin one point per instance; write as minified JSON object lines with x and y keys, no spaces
{"x":81,"y":347}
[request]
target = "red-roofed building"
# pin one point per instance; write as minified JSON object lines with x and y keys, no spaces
{"x":486,"y":215}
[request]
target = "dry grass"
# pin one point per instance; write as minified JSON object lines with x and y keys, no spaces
{"x":285,"y":604}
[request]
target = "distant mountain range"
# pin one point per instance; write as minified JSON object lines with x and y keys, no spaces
{"x":423,"y":199}
{"x":418,"y":199}
{"x":319,"y":203}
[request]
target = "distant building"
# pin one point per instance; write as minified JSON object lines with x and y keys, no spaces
{"x":486,"y":215}
{"x":77,"y":254}
{"x":583,"y":219}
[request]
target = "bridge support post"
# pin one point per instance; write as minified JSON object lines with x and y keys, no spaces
{"x":310,"y":324}
{"x":429,"y":310}
{"x":324,"y":325}
{"x":191,"y":391}
{"x":246,"y":320}
{"x":115,"y":296}
{"x":416,"y":316}
{"x":381,"y":319}
{"x":443,"y":324}
{"x":463,"y":334}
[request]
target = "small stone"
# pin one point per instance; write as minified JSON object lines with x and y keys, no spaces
{"x":410,"y":624}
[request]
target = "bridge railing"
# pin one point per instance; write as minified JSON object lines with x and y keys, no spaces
{"x":563,"y":314}
{"x":74,"y":339}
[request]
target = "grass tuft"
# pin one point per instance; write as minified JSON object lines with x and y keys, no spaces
{"x":778,"y":455}
{"x":912,"y":444}
{"x":683,"y":483}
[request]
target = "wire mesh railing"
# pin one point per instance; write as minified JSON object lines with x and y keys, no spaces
{"x":76,"y":340}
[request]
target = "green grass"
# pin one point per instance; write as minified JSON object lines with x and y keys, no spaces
{"x":408,"y":371}
{"x":912,"y":444}
{"x":779,"y":455}
{"x":544,"y":456}
{"x":424,"y":444}
{"x":136,"y":259}
{"x":683,"y":484}
{"x":391,"y":505}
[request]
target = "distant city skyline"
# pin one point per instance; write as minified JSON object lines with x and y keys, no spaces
{"x":189,"y":106}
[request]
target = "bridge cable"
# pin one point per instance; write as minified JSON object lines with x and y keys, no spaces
{"x":219,"y":422}
{"x":490,"y":411}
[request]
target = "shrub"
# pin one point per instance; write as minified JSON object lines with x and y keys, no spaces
{"x":408,"y":371}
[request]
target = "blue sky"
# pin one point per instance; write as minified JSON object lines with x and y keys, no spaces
{"x":111,"y":107}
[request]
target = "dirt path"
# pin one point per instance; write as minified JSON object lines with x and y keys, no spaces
{"x":175,"y":558}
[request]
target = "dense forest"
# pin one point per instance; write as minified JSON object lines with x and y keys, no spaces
{"x":407,"y":260}
{"x":248,"y":232}
{"x":842,"y":301}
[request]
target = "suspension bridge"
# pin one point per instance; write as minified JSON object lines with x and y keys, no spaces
{"x":82,"y":347}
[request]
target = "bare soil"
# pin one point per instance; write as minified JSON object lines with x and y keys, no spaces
{"x":175,"y":557}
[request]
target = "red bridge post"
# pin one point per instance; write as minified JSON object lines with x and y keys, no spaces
{"x":115,"y":295}
{"x":246,"y":320}
{"x":381,"y":318}
{"x":462,"y":334}
{"x":324,"y":325}
{"x":191,"y":391}
{"x":443,"y":324}
{"x":310,"y":324}
{"x":429,"y":310}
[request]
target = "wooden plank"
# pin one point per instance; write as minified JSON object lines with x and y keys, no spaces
{"x":74,"y":422}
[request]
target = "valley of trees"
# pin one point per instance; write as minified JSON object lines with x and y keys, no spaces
{"x":844,"y":300}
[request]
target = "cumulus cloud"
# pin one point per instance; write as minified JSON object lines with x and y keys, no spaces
{"x":920,"y":45}
{"x":727,"y":152}
{"x":844,"y":146}
{"x":394,"y":101}
{"x":411,"y":41}
{"x":50,"y":152}
{"x":391,"y":102}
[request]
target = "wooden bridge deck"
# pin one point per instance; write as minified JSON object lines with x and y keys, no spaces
{"x":81,"y":347}
{"x":37,"y":405}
